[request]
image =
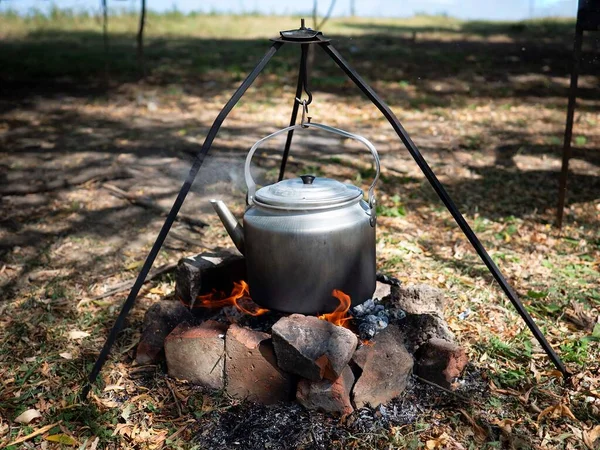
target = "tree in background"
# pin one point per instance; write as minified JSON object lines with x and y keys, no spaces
{"x":318,"y":26}
{"x":140,"y":38}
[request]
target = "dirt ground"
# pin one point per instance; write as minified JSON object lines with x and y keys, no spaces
{"x":485,"y":104}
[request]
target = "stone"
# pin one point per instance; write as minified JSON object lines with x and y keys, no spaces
{"x":420,"y":328}
{"x":197,"y":353}
{"x":160,"y":319}
{"x":251,"y":368}
{"x":207,"y":271}
{"x":312,"y":348}
{"x":386,"y":368}
{"x":382,"y":290}
{"x":326,"y":395}
{"x":419,"y":299}
{"x":360,"y":355}
{"x":440,"y":362}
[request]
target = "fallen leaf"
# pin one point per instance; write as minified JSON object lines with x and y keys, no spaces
{"x":525,"y":397}
{"x":480,"y":433}
{"x":556,"y":411}
{"x":64,"y":439}
{"x":506,"y":425}
{"x":114,"y":387}
{"x":127,"y":412}
{"x":95,"y":443}
{"x":134,"y":265}
{"x":66,"y":355}
{"x":591,"y":436}
{"x":439,"y":442}
{"x":103,"y":402}
{"x":76,"y":334}
{"x":27,"y":416}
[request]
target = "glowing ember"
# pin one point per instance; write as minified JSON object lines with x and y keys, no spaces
{"x":340,"y":316}
{"x":240,"y":298}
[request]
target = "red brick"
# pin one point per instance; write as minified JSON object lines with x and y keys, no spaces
{"x":386,"y":367}
{"x":440,"y":362}
{"x":160,"y":319}
{"x":197,"y":353}
{"x":251,"y":368}
{"x":312,"y":348}
{"x":327,"y":396}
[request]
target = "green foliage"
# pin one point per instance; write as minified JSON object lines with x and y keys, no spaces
{"x":393,"y":209}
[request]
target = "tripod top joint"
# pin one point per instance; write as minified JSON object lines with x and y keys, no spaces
{"x":302,"y":35}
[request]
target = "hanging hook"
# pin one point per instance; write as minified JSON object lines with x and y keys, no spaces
{"x":305,"y":117}
{"x":304,"y":75}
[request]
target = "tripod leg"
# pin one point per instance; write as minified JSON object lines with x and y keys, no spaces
{"x":162,"y":235}
{"x":443,"y":195}
{"x":562,"y":190}
{"x":290,"y":135}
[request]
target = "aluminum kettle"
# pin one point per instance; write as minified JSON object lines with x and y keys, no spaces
{"x":304,"y":237}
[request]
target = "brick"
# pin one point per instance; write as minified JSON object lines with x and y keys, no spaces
{"x":251,"y":368}
{"x":420,"y":328}
{"x":207,"y":271}
{"x":327,"y":396}
{"x":160,"y":319}
{"x":197,"y":353}
{"x":419,"y":299}
{"x":312,"y":348}
{"x":386,"y":367}
{"x":440,"y":362}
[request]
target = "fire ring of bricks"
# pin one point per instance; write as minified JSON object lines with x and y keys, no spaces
{"x":334,"y":363}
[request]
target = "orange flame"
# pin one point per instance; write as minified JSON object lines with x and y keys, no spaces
{"x":340,"y":315}
{"x":240,"y":298}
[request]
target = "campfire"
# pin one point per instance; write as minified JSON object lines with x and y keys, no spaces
{"x":358,"y":354}
{"x":239,"y":298}
{"x":340,"y":315}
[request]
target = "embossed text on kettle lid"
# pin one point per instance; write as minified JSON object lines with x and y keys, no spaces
{"x":295,"y":193}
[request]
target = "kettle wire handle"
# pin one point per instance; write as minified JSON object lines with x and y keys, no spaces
{"x":251,"y":185}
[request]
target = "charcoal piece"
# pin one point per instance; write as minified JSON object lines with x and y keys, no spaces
{"x":367,"y":330}
{"x":387,"y":279}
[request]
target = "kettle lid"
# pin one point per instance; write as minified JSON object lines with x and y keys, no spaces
{"x":307,"y":192}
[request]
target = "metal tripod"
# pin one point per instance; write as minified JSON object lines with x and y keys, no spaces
{"x":306,"y":37}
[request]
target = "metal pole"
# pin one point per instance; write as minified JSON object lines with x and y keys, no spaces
{"x":564,"y":171}
{"x":299,"y":86}
{"x":164,"y":231}
{"x":443,"y":195}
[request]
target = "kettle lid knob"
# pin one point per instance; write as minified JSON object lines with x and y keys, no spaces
{"x":307,"y":179}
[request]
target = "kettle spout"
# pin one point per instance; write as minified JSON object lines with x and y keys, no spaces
{"x":233,"y":227}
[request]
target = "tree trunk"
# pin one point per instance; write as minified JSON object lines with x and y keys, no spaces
{"x":140,"y":39}
{"x":105,"y":40}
